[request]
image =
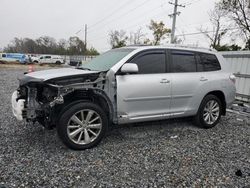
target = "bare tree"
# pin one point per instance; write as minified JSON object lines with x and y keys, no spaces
{"x":239,"y":12}
{"x":118,"y":39}
{"x":137,"y":37}
{"x":219,"y":29}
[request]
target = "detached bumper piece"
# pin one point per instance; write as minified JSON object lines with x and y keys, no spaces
{"x":17,"y":106}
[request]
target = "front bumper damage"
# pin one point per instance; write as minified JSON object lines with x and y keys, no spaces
{"x":43,"y":101}
{"x":17,"y":106}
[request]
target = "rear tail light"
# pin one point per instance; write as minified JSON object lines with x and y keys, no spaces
{"x":232,"y":78}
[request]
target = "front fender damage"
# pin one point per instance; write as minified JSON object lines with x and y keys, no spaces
{"x":45,"y":99}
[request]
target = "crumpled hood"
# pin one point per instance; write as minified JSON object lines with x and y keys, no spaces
{"x":57,"y":73}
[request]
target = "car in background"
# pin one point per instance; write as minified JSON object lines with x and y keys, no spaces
{"x":14,"y":57}
{"x":49,"y":59}
{"x":32,"y":57}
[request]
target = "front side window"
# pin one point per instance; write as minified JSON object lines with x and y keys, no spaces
{"x":3,"y":55}
{"x":47,"y":57}
{"x":210,"y":62}
{"x":150,"y":62}
{"x":183,"y":61}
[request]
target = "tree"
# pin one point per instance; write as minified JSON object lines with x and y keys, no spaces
{"x":118,"y":38}
{"x":92,"y":51}
{"x":239,"y":12}
{"x":137,"y":37}
{"x":76,"y":46}
{"x":219,"y":30}
{"x":48,"y":45}
{"x":233,"y":47}
{"x":159,"y":31}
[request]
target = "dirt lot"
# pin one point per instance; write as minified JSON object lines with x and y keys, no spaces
{"x":170,"y":153}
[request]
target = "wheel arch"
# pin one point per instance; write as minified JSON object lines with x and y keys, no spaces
{"x":220,"y":94}
{"x":91,"y":95}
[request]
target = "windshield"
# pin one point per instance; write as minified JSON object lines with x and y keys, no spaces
{"x":106,"y":60}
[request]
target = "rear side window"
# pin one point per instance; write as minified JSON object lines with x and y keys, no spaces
{"x":210,"y":62}
{"x":150,"y":62}
{"x":183,"y":61}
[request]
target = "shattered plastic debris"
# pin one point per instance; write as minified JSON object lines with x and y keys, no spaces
{"x":174,"y":136}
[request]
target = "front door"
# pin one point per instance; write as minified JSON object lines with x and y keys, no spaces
{"x":145,"y":95}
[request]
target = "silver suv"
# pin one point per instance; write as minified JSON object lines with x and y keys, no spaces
{"x":125,"y":85}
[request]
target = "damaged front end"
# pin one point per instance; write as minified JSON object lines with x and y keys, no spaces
{"x":42,"y":100}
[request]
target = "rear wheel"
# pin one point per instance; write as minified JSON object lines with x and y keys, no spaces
{"x":82,"y":126}
{"x":209,"y":112}
{"x":58,"y":63}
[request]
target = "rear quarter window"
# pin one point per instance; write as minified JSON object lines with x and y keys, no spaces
{"x":209,"y":62}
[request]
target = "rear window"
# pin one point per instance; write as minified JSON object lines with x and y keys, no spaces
{"x":209,"y":62}
{"x":183,"y":61}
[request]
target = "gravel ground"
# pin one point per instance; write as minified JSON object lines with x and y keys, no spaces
{"x":170,"y":153}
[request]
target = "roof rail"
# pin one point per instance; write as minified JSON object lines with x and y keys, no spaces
{"x":190,"y":46}
{"x":135,"y":45}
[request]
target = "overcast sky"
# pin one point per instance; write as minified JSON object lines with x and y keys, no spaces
{"x":64,"y":18}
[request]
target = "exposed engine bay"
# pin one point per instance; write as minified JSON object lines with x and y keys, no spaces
{"x":45,"y":99}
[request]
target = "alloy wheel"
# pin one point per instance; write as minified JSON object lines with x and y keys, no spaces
{"x":84,"y":126}
{"x":211,"y":112}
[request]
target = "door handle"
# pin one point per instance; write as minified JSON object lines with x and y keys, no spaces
{"x":164,"y":81}
{"x":203,"y":79}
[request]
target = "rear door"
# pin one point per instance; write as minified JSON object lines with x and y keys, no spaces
{"x":145,"y":95}
{"x":186,"y":81}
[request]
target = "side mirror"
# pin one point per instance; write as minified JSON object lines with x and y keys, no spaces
{"x":129,"y":68}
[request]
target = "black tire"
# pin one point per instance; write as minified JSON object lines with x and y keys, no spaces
{"x":199,"y":119}
{"x":58,"y":63}
{"x":62,"y":127}
{"x":35,"y":61}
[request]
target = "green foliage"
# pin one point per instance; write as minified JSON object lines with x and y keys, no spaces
{"x":92,"y":52}
{"x":247,"y":47}
{"x":159,"y":31}
{"x":48,"y":45}
{"x":226,"y":47}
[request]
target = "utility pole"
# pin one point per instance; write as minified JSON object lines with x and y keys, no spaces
{"x":175,"y":13}
{"x":85,"y":33}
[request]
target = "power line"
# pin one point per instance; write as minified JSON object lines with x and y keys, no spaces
{"x":190,"y":3}
{"x":135,"y":24}
{"x":106,"y":16}
{"x":111,"y":14}
{"x":126,"y":13}
{"x":197,"y":33}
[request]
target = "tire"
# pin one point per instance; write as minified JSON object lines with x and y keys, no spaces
{"x":207,"y":116}
{"x":58,"y":63}
{"x":83,"y":135}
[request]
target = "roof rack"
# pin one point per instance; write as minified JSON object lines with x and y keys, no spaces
{"x":136,"y":45}
{"x":190,"y":46}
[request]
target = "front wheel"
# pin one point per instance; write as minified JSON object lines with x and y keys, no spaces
{"x":82,"y":126}
{"x":209,"y":112}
